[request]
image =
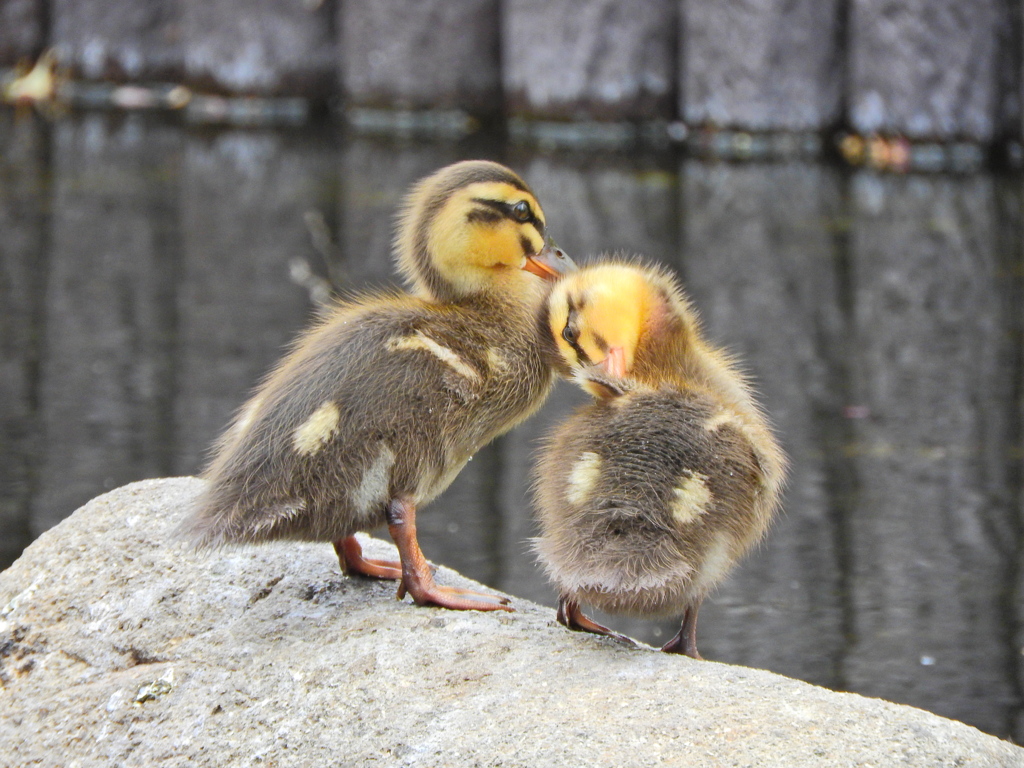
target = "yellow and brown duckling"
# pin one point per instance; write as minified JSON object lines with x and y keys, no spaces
{"x":647,"y":496}
{"x":380,"y":405}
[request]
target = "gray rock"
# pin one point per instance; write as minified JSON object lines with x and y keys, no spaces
{"x":923,"y":68}
{"x":119,"y":647}
{"x":573,"y":59}
{"x":762,"y":64}
{"x":21,"y":30}
{"x":440,"y":54}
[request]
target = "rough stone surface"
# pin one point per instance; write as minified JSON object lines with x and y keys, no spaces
{"x":133,"y":40}
{"x":118,"y":647}
{"x":924,"y":68}
{"x":261,"y":47}
{"x":21,"y":30}
{"x":762,"y":64}
{"x":413,"y":54}
{"x":572,"y":59}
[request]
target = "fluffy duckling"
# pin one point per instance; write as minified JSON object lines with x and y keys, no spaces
{"x":379,"y":406}
{"x":647,"y":496}
{"x":36,"y":84}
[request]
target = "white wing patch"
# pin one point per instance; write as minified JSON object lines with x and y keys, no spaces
{"x":719,"y":419}
{"x":421,"y":341}
{"x":317,"y":429}
{"x":691,"y":499}
{"x":583,"y":477}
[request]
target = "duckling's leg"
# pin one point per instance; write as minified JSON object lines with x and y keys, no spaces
{"x":417,"y":578}
{"x":350,"y":555}
{"x":570,"y":616}
{"x":685,"y":641}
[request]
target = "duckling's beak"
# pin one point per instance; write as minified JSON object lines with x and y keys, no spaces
{"x":614,"y":363}
{"x":550,"y":263}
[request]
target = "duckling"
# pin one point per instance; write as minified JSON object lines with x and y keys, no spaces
{"x":379,"y":406}
{"x":647,"y":496}
{"x":36,"y":84}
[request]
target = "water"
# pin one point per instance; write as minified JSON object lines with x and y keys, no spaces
{"x":150,"y":273}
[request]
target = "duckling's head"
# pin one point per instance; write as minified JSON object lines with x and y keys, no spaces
{"x":616,"y":320}
{"x":475,"y":227}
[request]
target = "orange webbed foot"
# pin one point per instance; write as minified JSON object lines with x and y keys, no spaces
{"x":572,"y":617}
{"x":350,"y":556}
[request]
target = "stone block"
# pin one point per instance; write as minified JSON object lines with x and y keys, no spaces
{"x":110,"y":627}
{"x":590,"y":59}
{"x":421,"y":54}
{"x":261,"y":48}
{"x":100,"y":40}
{"x":924,"y":68}
{"x":762,"y":65}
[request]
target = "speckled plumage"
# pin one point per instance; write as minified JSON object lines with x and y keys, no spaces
{"x":647,"y":496}
{"x":623,"y":546}
{"x":408,"y":401}
{"x":380,"y":405}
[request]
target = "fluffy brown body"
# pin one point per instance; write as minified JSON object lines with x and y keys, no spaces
{"x":648,"y":502}
{"x":407,"y":420}
{"x":648,"y":496}
{"x":380,"y":405}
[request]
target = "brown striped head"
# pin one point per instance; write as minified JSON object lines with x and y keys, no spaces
{"x":475,"y":227}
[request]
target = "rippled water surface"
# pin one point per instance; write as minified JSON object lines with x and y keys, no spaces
{"x":150,"y":273}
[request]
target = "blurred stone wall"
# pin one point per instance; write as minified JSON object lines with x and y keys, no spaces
{"x":924,"y":69}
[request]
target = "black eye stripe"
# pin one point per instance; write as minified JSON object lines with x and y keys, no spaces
{"x":507,"y":210}
{"x":573,"y":335}
{"x":482,"y":214}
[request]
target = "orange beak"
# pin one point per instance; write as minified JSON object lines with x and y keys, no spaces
{"x":550,"y":263}
{"x":614,"y":363}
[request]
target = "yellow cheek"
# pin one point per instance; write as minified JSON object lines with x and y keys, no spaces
{"x":594,"y":352}
{"x":568,"y":353}
{"x":492,"y":246}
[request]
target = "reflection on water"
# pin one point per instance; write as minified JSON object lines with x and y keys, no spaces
{"x":149,"y":274}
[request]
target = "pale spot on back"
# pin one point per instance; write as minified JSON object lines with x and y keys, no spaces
{"x":317,"y":429}
{"x":691,"y":499}
{"x":719,"y":419}
{"x":583,"y":476}
{"x":374,"y":487}
{"x":421,"y":341}
{"x":496,"y":359}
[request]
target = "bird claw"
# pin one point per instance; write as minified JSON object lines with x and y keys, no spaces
{"x":455,"y":598}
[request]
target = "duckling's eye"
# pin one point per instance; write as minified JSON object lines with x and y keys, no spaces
{"x":521,"y":211}
{"x":570,"y":334}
